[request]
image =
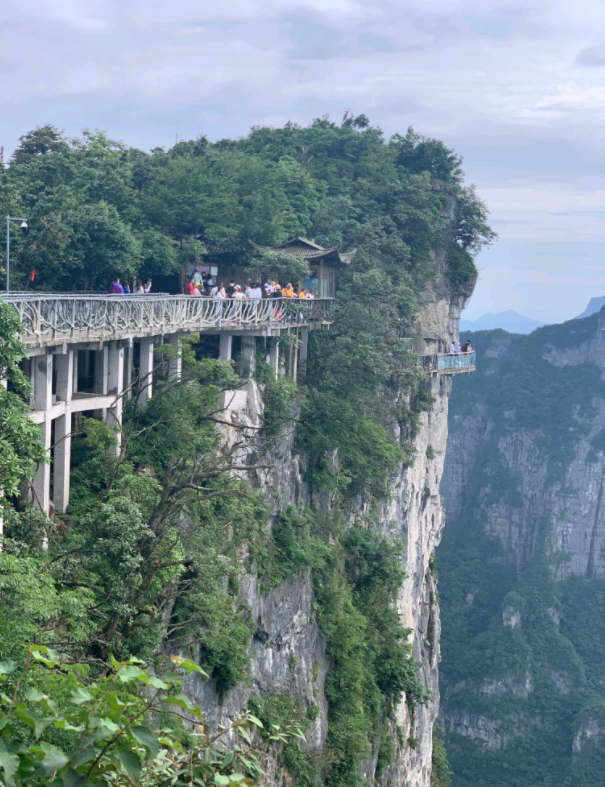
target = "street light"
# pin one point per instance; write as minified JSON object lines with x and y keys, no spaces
{"x":25,"y":230}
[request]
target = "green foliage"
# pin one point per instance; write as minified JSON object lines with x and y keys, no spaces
{"x":461,"y":268}
{"x":279,"y":266}
{"x":441,"y":773}
{"x":60,"y":728}
{"x":20,"y":445}
{"x":278,"y":399}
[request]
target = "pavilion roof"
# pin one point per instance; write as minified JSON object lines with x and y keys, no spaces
{"x":309,"y":250}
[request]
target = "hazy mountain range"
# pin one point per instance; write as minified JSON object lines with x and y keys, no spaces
{"x":526,"y":322}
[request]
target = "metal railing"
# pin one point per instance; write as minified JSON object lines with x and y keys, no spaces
{"x":54,"y":318}
{"x":449,"y":362}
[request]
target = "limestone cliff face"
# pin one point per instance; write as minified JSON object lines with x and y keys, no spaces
{"x":289,"y":650}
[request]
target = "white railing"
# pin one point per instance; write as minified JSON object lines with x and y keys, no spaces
{"x":56,"y":318}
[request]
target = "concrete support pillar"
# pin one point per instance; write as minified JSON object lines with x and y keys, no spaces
{"x":249,"y":353}
{"x":225,"y":346}
{"x":175,"y":366}
{"x":62,"y":450}
{"x":274,"y":356}
{"x":128,"y":353}
{"x":303,"y":352}
{"x":294,"y":360}
{"x":115,"y":385}
{"x":43,"y":399}
{"x":76,"y":370}
{"x":146,"y":370}
{"x":100,"y":381}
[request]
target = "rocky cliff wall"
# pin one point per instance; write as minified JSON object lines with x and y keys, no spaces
{"x":289,"y":650}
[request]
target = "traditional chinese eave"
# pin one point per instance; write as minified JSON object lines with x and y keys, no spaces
{"x":309,"y":250}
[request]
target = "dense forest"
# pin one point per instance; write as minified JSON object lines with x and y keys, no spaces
{"x":148,"y":559}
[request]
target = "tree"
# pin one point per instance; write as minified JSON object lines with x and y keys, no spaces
{"x":20,"y":441}
{"x":61,"y":727}
{"x":42,"y":140}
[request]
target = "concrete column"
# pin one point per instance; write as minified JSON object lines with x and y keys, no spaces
{"x":274,"y":356}
{"x":128,"y":370}
{"x":303,"y":352}
{"x":226,"y":346}
{"x":115,"y":384}
{"x":175,"y":366}
{"x":43,"y":399}
{"x":76,"y":367}
{"x":62,"y":449}
{"x":146,"y":370}
{"x":100,"y":381}
{"x":294,"y":360}
{"x":249,"y":353}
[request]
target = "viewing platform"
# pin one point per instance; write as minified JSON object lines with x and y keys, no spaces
{"x":450,"y":363}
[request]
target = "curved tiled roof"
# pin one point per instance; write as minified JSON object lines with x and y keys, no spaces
{"x":308,"y":250}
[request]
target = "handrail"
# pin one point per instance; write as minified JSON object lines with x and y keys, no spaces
{"x":58,"y":317}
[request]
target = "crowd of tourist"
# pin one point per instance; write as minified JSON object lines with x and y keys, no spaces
{"x":202,"y":285}
{"x":118,"y":288}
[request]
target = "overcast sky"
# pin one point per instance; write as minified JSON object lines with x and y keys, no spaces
{"x":517,"y":88}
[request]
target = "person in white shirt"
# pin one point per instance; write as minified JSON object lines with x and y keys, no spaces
{"x":257,"y":293}
{"x":238,"y":292}
{"x":269,"y":288}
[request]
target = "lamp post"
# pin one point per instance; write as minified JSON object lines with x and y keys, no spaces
{"x":24,"y":228}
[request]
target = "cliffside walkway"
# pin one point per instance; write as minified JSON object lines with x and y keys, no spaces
{"x":52,"y":319}
{"x":89,"y":351}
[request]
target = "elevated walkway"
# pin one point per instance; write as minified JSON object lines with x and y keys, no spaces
{"x":105,"y":344}
{"x":53,"y":319}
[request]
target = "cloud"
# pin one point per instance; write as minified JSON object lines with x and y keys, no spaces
{"x":593,"y":57}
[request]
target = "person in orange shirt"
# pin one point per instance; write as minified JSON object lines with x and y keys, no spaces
{"x":287,"y":291}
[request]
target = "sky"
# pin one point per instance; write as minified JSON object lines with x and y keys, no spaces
{"x":517,"y":88}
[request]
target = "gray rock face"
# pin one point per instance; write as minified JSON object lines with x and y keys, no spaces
{"x":288,"y":653}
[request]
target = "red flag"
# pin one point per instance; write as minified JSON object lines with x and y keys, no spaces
{"x":33,"y":275}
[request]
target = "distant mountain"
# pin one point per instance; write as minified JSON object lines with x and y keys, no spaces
{"x":595,"y":305}
{"x":510,"y":321}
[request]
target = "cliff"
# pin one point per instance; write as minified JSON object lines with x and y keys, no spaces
{"x":522,"y":562}
{"x":289,"y":649}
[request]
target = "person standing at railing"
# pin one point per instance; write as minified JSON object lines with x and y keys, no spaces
{"x":116,"y":288}
{"x":288,"y":291}
{"x":466,"y":347}
{"x":138,"y":288}
{"x":190,"y":290}
{"x":126,"y":288}
{"x":452,"y":348}
{"x":256,"y":293}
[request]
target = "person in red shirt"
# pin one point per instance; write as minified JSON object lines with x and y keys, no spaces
{"x":190,"y":287}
